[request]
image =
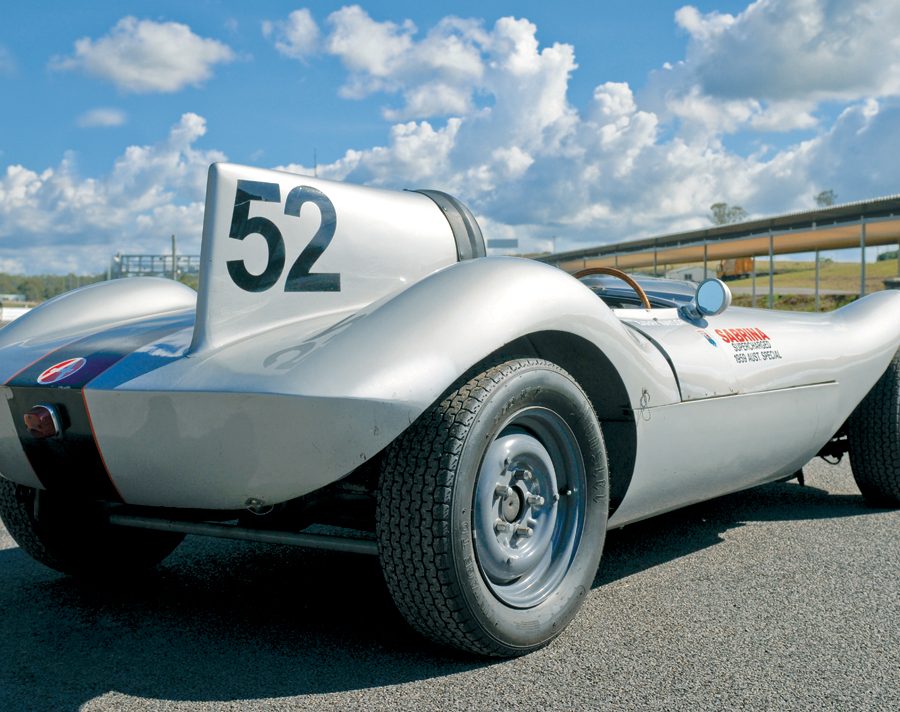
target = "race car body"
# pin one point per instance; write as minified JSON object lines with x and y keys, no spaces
{"x":352,"y":356}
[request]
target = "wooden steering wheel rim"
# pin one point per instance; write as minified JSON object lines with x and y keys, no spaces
{"x":613,"y":272}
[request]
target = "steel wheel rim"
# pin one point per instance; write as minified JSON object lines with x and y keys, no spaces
{"x":529,"y":505}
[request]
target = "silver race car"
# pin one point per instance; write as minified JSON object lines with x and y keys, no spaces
{"x":355,"y":374}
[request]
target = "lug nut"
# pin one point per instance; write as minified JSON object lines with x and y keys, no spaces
{"x":556,"y":496}
{"x":503,"y":491}
{"x":523,"y":530}
{"x":535,"y":501}
{"x":522,"y":472}
{"x":501,"y":526}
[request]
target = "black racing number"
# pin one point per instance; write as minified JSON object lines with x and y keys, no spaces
{"x":299,"y":278}
{"x":242,"y":225}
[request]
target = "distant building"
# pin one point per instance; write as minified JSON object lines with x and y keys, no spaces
{"x":501,"y":243}
{"x":691,"y":273}
{"x":12,"y":297}
{"x":153,"y":265}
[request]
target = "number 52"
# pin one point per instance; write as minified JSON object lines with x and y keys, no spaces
{"x":299,"y":278}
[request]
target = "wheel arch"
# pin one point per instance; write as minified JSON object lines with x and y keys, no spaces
{"x":604,"y":387}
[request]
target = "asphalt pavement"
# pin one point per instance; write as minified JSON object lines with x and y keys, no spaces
{"x":781,"y":597}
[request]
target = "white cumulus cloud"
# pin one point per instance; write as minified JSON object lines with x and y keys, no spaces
{"x":769,"y":67}
{"x":145,"y":56}
{"x":796,"y":49}
{"x":296,"y":37}
{"x":102,"y":117}
{"x":374,"y":48}
{"x":58,"y":220}
{"x":435,"y":75}
{"x":535,"y":167}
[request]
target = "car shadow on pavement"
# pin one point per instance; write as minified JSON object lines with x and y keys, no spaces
{"x":641,"y":546}
{"x":221,"y":621}
{"x":218,"y":621}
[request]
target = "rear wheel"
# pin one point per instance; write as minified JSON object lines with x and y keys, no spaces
{"x":874,"y":440}
{"x":492,"y":510}
{"x":74,"y":537}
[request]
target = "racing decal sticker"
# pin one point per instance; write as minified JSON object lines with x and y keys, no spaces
{"x":62,"y":370}
{"x":709,"y":338}
{"x":742,"y":335}
{"x":750,"y":345}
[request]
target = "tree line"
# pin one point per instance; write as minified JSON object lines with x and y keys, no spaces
{"x":40,"y":287}
{"x":725,"y":214}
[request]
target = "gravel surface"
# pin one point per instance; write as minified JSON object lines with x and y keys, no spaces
{"x":780,"y":597}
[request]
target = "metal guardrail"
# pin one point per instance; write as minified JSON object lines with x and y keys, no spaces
{"x":872,"y":211}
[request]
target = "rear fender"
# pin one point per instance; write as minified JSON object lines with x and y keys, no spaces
{"x":412,"y":347}
{"x":347,"y":390}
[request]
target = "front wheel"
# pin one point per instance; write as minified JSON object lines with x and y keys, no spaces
{"x":874,"y":440}
{"x":492,"y":510}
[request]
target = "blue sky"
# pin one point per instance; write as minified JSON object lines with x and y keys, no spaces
{"x":583,"y":122}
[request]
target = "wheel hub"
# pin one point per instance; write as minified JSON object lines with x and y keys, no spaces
{"x":524,"y":531}
{"x":511,"y":504}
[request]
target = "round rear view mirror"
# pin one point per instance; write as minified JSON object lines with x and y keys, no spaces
{"x":712,"y":297}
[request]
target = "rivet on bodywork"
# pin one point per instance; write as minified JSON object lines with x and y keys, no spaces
{"x":257,"y":506}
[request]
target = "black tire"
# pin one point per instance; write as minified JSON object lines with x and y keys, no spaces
{"x":74,"y":537}
{"x":874,"y":440}
{"x":441,"y":481}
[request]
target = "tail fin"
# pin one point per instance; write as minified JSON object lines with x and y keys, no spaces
{"x":278,"y":247}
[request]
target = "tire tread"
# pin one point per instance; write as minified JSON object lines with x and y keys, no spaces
{"x":414,"y":510}
{"x":15,"y":503}
{"x":874,"y":435}
{"x":74,"y":538}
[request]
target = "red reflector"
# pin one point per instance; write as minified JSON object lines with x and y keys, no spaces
{"x":42,"y":421}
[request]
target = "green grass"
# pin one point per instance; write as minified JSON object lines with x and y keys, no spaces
{"x":839,"y":276}
{"x":842,"y":276}
{"x":796,"y":302}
